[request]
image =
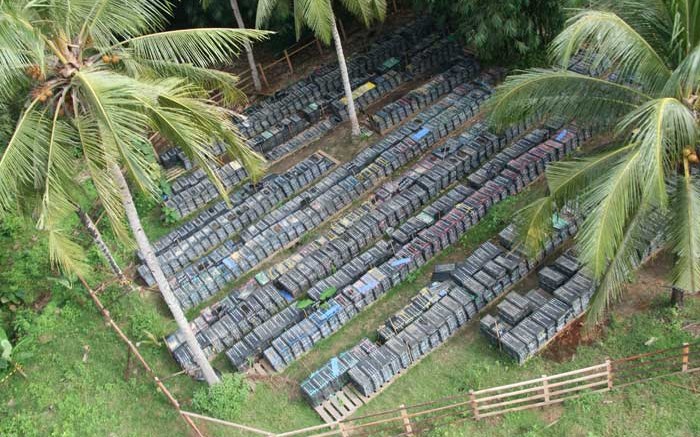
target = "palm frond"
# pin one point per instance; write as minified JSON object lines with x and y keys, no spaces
{"x":264,"y":11}
{"x":204,"y":47}
{"x":534,"y":224}
{"x":58,"y":173}
{"x":176,"y":123}
{"x":652,"y":19}
{"x":115,"y":101}
{"x":561,"y":93}
{"x":318,"y":16}
{"x":108,"y":21}
{"x":360,"y":9}
{"x":21,"y":43}
{"x":207,"y":118}
{"x":604,"y":36}
{"x":685,"y":79}
{"x":612,"y":201}
{"x":639,"y":231}
{"x":661,"y":129}
{"x":208,"y":79}
{"x":569,"y":179}
{"x":378,"y":9}
{"x":65,"y":253}
{"x":684,"y":232}
{"x":98,"y":158}
{"x":20,"y":163}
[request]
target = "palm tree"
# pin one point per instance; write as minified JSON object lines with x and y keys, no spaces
{"x":95,"y":81}
{"x":319,"y":17}
{"x":248,"y":47}
{"x":644,"y":184}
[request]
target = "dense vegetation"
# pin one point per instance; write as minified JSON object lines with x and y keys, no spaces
{"x":63,"y":372}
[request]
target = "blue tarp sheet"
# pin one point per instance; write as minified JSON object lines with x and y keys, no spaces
{"x":420,"y":134}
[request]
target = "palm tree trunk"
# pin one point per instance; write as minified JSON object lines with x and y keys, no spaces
{"x":346,"y":81}
{"x":99,"y":242}
{"x":248,"y":47}
{"x":152,"y":262}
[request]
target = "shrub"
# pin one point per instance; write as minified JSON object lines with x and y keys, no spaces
{"x":224,"y":400}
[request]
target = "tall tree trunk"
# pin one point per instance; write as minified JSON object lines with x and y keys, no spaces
{"x":248,"y":47}
{"x":346,"y":81}
{"x":99,"y":242}
{"x":677,"y":297}
{"x":152,"y":262}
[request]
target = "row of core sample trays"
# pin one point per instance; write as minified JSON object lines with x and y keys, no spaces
{"x":524,"y":324}
{"x":432,"y":316}
{"x":296,"y":340}
{"x":407,"y":134}
{"x":334,"y":192}
{"x":357,"y":235}
{"x":467,"y":68}
{"x":217,"y":224}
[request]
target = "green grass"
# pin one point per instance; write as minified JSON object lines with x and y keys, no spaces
{"x":64,"y":396}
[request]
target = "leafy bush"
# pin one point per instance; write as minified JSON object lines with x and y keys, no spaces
{"x":170,"y":215}
{"x":224,"y":400}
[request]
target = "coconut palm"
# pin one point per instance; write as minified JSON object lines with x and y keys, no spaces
{"x":318,"y":16}
{"x":248,"y":47}
{"x":94,"y":80}
{"x":645,"y":184}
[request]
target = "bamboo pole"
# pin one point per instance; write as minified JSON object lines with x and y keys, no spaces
{"x":406,"y":421}
{"x":262,"y":73}
{"x":342,"y":30}
{"x":289,"y":62}
{"x":474,"y":405}
{"x":134,"y":350}
{"x":545,"y":389}
{"x":229,"y":424}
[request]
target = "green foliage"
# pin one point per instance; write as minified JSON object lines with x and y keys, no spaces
{"x":224,"y":400}
{"x":24,"y":262}
{"x":170,"y":215}
{"x":328,"y":293}
{"x":506,"y":32}
{"x":93,"y":108}
{"x":643,"y":186}
{"x":5,"y":350}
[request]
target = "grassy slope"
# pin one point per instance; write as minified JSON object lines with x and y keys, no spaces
{"x":63,"y":395}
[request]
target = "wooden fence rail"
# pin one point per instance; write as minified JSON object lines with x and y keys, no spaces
{"x":545,"y":391}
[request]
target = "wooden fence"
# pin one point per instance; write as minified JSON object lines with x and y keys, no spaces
{"x":284,"y":64}
{"x":542,"y":392}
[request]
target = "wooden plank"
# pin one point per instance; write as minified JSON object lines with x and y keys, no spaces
{"x":341,"y":408}
{"x":603,"y":375}
{"x":322,"y":412}
{"x":332,"y":411}
{"x":352,"y":396}
{"x":266,"y":367}
{"x":328,"y":156}
{"x":347,"y":403}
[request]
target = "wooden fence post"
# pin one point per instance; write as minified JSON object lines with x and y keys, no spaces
{"x":406,"y":421}
{"x":545,"y":389}
{"x":262,"y":73}
{"x":395,"y":8}
{"x":608,"y":369}
{"x":341,"y":427}
{"x":342,"y":30}
{"x":289,"y":62}
{"x":685,"y":358}
{"x":318,"y":46}
{"x":475,"y":407}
